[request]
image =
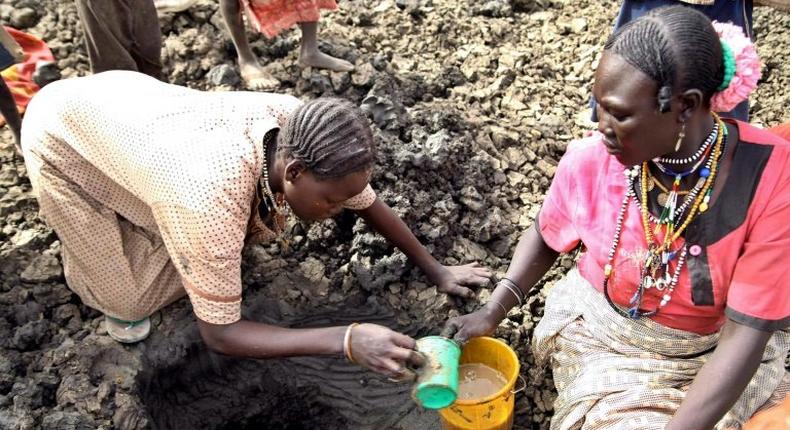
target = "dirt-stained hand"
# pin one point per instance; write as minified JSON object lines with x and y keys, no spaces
{"x":465,"y":327}
{"x":385,"y":351}
{"x":455,"y":279}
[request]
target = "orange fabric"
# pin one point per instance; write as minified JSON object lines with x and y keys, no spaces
{"x":270,"y":17}
{"x":19,"y":77}
{"x":782,"y":130}
{"x":776,"y":418}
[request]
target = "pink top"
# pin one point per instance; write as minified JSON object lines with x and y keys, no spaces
{"x":738,"y":258}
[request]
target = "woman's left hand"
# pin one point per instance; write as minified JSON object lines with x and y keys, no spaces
{"x":455,"y":279}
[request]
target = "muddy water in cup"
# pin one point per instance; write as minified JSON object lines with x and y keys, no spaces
{"x":477,"y":380}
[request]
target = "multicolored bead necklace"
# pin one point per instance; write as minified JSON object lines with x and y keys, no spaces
{"x":697,"y":155}
{"x":699,"y":200}
{"x":662,"y":199}
{"x":670,"y":200}
{"x":656,"y":272}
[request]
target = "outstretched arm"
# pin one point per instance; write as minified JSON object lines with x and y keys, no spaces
{"x":449,"y":279}
{"x":721,"y":381}
{"x":531,"y":260}
{"x":373,"y":346}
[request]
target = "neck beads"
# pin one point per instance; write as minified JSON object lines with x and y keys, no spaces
{"x":673,"y":221}
{"x":275,"y":205}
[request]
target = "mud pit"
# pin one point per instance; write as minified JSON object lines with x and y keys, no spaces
{"x":475,"y":104}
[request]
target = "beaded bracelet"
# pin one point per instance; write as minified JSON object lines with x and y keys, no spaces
{"x":347,"y":343}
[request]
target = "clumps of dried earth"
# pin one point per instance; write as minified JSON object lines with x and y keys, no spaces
{"x":473,"y":105}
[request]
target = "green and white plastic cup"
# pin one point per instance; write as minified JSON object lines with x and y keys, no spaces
{"x":437,"y":381}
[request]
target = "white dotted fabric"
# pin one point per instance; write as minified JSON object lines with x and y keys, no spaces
{"x":133,"y":173}
{"x":362,"y":200}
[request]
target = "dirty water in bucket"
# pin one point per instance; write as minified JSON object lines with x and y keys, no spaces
{"x":478,"y":381}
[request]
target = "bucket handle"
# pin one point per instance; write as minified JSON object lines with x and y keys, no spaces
{"x":523,"y":385}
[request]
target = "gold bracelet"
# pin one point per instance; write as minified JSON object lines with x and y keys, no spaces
{"x":347,"y":343}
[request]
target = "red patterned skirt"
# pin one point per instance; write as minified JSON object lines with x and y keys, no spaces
{"x":270,"y":17}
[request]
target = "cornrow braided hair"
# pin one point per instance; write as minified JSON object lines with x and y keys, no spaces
{"x":677,"y":47}
{"x":330,"y":136}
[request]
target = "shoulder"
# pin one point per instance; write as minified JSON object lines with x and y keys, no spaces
{"x":588,"y":157}
{"x":751,"y":134}
{"x":775,"y":150}
{"x":590,"y":148}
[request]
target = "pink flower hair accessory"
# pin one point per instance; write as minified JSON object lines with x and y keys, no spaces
{"x":747,"y":67}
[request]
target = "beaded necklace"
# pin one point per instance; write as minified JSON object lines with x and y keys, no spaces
{"x":653,"y":181}
{"x":275,"y":205}
{"x":690,"y":196}
{"x":667,"y":171}
{"x":671,"y":210}
{"x":697,"y":155}
{"x":669,"y":199}
{"x":700,"y":199}
{"x":656,"y":271}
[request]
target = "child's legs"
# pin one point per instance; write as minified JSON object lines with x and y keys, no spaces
{"x":232,"y":13}
{"x":309,"y":55}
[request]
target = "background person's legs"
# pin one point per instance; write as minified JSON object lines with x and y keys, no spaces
{"x":120,"y":35}
{"x":309,"y":55}
{"x":251,"y":71}
{"x":147,"y":39}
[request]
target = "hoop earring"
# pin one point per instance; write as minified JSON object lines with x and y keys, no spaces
{"x":681,"y":135}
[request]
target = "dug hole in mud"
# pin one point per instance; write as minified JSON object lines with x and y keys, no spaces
{"x":473,"y":104}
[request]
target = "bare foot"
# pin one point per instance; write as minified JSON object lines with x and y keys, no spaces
{"x":256,"y":78}
{"x":320,"y":60}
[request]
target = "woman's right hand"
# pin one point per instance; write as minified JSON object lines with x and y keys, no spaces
{"x":385,"y":351}
{"x":481,"y":322}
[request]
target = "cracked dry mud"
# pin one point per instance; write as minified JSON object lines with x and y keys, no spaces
{"x":474,"y":103}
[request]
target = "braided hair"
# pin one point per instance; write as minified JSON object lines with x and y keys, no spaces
{"x":330,"y":136}
{"x":677,"y":47}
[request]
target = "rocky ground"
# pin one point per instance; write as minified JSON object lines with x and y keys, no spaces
{"x":475,"y":102}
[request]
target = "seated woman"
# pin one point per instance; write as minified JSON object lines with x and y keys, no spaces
{"x":676,"y":315}
{"x":154,"y":189}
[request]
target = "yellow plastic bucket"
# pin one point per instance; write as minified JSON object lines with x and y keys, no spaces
{"x":494,"y":412}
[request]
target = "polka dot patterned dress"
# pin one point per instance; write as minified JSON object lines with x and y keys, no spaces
{"x":150,"y":188}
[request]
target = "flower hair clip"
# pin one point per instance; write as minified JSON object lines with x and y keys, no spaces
{"x":741,"y":67}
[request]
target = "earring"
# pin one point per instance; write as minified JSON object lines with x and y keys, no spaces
{"x":681,"y":135}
